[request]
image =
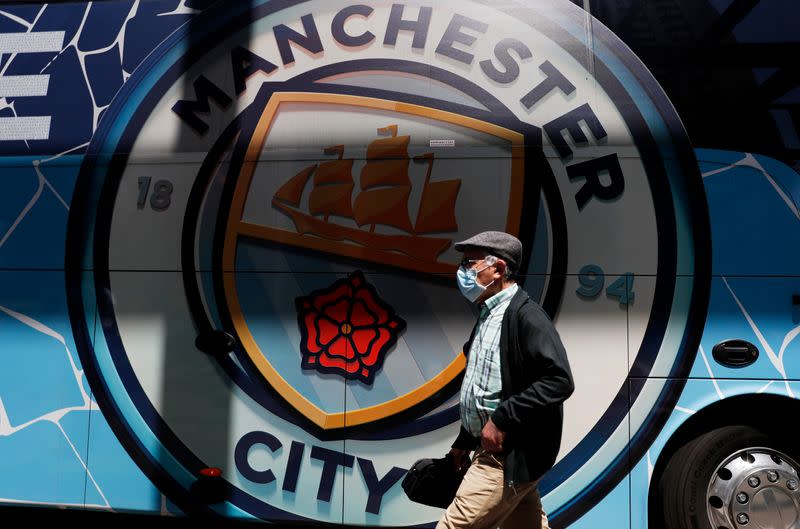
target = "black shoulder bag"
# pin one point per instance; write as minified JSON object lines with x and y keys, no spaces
{"x":433,"y":482}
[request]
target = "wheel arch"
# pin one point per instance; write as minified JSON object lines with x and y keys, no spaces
{"x":764,"y":412}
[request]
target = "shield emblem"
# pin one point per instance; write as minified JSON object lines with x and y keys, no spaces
{"x":378,"y":192}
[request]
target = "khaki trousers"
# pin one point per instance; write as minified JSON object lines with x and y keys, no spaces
{"x":484,"y":501}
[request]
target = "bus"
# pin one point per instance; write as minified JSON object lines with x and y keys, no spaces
{"x":227,"y":265}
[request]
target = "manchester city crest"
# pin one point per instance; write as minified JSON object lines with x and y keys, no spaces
{"x":283,"y":186}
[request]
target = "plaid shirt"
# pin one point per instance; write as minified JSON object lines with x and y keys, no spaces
{"x":480,"y":390}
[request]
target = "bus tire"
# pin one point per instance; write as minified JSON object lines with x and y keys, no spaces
{"x":725,"y":474}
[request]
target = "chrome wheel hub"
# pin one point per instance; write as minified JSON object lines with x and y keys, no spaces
{"x":755,"y":488}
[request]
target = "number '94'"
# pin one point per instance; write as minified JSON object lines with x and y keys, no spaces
{"x":593,"y":279}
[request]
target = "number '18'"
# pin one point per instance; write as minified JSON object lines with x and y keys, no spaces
{"x":161,"y":197}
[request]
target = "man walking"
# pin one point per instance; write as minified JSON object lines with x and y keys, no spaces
{"x":517,"y":378}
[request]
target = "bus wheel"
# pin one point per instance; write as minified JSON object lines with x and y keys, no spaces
{"x":732,"y":477}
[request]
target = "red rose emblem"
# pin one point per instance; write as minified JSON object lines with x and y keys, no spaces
{"x":347,"y":329}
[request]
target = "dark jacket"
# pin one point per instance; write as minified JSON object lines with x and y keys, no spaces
{"x":536,"y":381}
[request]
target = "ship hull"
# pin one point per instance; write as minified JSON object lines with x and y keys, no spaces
{"x":425,"y":249}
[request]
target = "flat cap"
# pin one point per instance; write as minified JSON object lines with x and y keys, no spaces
{"x":498,"y":243}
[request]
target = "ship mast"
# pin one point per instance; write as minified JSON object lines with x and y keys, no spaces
{"x":385,"y":184}
{"x":333,"y":186}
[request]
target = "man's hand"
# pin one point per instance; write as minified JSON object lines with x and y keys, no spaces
{"x":492,"y":438}
{"x":460,"y":457}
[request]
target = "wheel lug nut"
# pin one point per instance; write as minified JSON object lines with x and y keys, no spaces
{"x":742,"y":518}
{"x":742,"y":497}
{"x":772,"y":476}
{"x":792,"y":484}
{"x":753,"y":481}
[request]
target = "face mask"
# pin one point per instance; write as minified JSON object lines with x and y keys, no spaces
{"x":468,"y":283}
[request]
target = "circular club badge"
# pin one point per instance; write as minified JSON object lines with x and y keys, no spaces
{"x":264,"y":230}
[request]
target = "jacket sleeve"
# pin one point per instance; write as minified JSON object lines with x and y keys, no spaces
{"x":544,"y":354}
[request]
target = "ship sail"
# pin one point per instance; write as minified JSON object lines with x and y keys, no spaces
{"x":387,"y":206}
{"x":387,"y":161}
{"x":388,"y":148}
{"x":437,"y":212}
{"x":292,"y":191}
{"x":335,"y":171}
{"x":437,"y":209}
{"x":385,"y":173}
{"x":385,"y":184}
{"x":331,"y":200}
{"x":333,"y":186}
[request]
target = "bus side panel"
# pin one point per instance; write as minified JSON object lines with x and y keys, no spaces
{"x":755,"y":278}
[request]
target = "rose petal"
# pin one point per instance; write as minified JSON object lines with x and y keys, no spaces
{"x":329,"y":297}
{"x":373,"y":306}
{"x":328,"y":330}
{"x":371,"y":356}
{"x":328,"y":361}
{"x":362,"y":338}
{"x":352,"y":367}
{"x":312,"y":341}
{"x":361,"y":317}
{"x":338,"y":311}
{"x":339,"y":363}
{"x":341,"y":348}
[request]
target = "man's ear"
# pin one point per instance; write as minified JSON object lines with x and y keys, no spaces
{"x":500,"y":267}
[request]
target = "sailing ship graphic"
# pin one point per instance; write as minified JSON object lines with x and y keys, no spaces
{"x":382,"y":200}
